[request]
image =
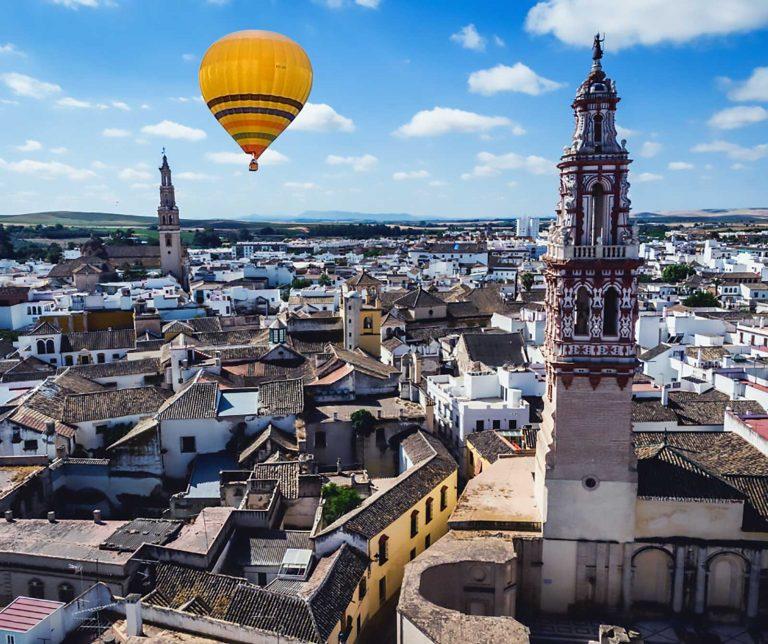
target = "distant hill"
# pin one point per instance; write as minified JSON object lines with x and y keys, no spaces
{"x":714,"y":214}
{"x":87,"y":219}
{"x":341,"y":215}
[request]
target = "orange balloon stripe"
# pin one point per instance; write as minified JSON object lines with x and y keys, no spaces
{"x":250,"y":148}
{"x":253,"y":124}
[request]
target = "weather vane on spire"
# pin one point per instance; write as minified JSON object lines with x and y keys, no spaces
{"x":597,"y":47}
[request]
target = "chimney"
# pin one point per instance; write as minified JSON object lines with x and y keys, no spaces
{"x":97,"y":517}
{"x":50,"y":427}
{"x":665,"y":395}
{"x":51,"y":517}
{"x":218,"y":359}
{"x":9,"y":516}
{"x":335,"y":415}
{"x":133,"y":624}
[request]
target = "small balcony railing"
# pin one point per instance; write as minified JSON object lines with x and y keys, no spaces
{"x":599,"y":251}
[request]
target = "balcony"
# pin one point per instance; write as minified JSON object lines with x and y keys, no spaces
{"x":598,"y":251}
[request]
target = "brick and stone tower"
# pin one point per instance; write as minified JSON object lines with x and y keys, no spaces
{"x":171,"y":252}
{"x":591,"y":265}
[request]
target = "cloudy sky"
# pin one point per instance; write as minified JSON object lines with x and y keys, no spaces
{"x":435,"y":107}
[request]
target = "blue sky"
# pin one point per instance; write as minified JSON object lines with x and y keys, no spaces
{"x":435,"y":108}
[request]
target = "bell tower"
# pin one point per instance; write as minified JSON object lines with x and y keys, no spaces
{"x":591,"y":301}
{"x":171,"y":253}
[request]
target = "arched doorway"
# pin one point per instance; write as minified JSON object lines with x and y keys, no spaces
{"x":726,"y":583}
{"x":652,"y":570}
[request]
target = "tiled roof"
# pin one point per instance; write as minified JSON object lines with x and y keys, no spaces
{"x":286,"y":473}
{"x":431,"y":464}
{"x":418,"y":298}
{"x":279,"y":438}
{"x":490,"y":444}
{"x":196,"y":400}
{"x":114,"y":369}
{"x":496,"y":349}
{"x":281,"y":397}
{"x":234,"y":600}
{"x":266,"y":547}
{"x":708,"y":408}
{"x":650,"y":410}
{"x":363,"y":278}
{"x":716,"y":458}
{"x":29,"y":368}
{"x":98,"y":340}
{"x":113,"y":403}
{"x":656,"y":351}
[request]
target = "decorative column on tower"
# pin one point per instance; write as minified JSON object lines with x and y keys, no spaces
{"x":591,"y":265}
{"x":171,"y":253}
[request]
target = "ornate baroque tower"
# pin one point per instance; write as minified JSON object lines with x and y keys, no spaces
{"x":171,"y":253}
{"x":591,"y":302}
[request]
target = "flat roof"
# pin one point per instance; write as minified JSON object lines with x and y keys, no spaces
{"x":24,"y":613}
{"x":238,"y":403}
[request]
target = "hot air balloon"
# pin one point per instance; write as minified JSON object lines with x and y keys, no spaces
{"x":255,"y":83}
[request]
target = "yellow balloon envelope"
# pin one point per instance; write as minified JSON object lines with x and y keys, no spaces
{"x":255,"y":83}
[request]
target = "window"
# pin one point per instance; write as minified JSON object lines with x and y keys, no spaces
{"x":10,"y":639}
{"x":320,"y":439}
{"x":582,"y":312}
{"x":497,"y":424}
{"x":412,"y":554}
{"x":36,"y":589}
{"x":85,"y":359}
{"x":443,"y":498}
{"x":66,"y":592}
{"x":100,"y":358}
{"x":367,"y":322}
{"x":68,"y":361}
{"x":168,"y":241}
{"x":414,"y":523}
{"x":188,"y":444}
{"x":40,"y":347}
{"x":115,"y":356}
{"x":428,"y":511}
{"x":598,"y":138}
{"x":382,"y":554}
{"x":611,"y":312}
{"x":362,"y":589}
{"x":513,"y":424}
{"x":49,"y":348}
{"x":427,"y":541}
{"x":30,"y":446}
{"x":382,"y":590}
{"x":598,"y":214}
{"x":479,"y":425}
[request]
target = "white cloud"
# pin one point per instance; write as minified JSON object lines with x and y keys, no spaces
{"x":442,"y":120}
{"x":187,"y":99}
{"x":297,"y":185}
{"x":735,"y":117}
{"x":518,"y":78}
{"x":188,"y":57}
{"x":120,"y":105}
{"x":23,"y":85}
{"x":412,"y":174}
{"x":47,"y":169}
{"x":680,"y":165}
{"x":624,"y":132}
{"x":755,"y":88}
{"x":438,"y":183}
{"x":9,"y":48}
{"x":76,"y":103}
{"x":194,"y":176}
{"x":76,"y":4}
{"x":646,"y":177}
{"x":59,"y":150}
{"x":319,"y":117}
{"x":644,"y":22}
{"x":30,"y":146}
{"x":738,"y":166}
{"x":491,"y":165}
{"x":368,"y":4}
{"x":134,"y":174}
{"x":650,"y":149}
{"x":469,"y":38}
{"x":172,"y":130}
{"x":358,"y":164}
{"x":268,"y":158}
{"x":115,"y":133}
{"x":99,"y":165}
{"x":734,"y":151}
{"x":499,"y":41}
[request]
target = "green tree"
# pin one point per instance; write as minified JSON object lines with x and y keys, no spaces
{"x":206,"y":238}
{"x":337,"y":501}
{"x":267,"y":230}
{"x":244,"y":235}
{"x":53,"y":254}
{"x":362,"y":421}
{"x":325,"y":280}
{"x":300,"y":282}
{"x":526,"y":280}
{"x":701,"y":298}
{"x":675,"y":273}
{"x":6,"y":244}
